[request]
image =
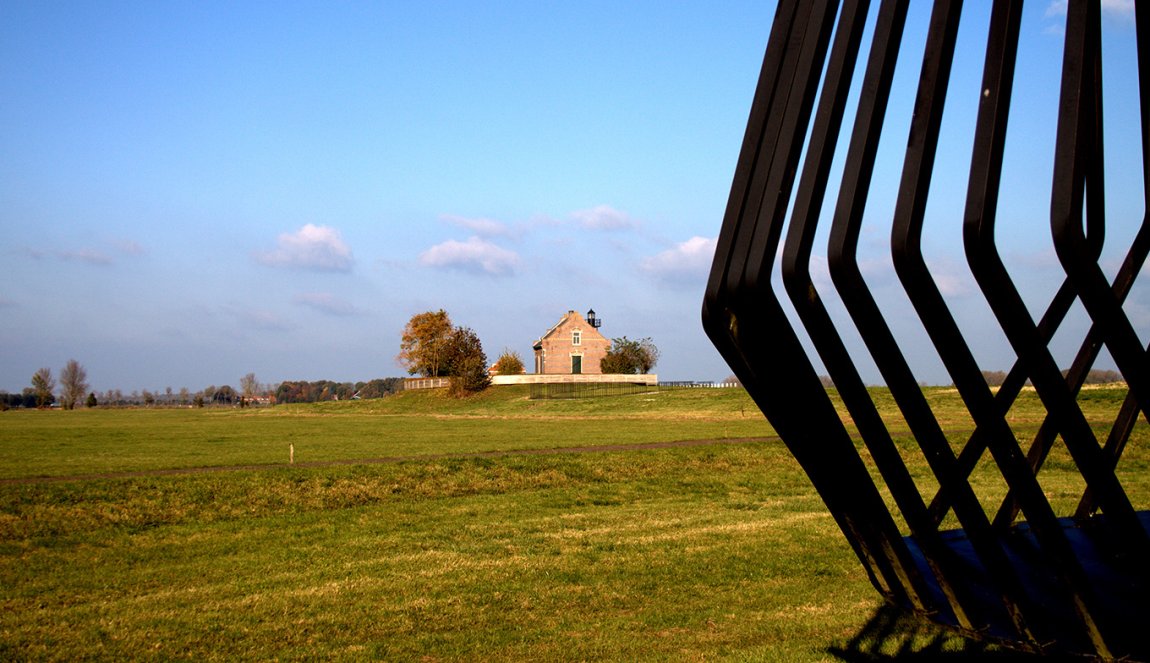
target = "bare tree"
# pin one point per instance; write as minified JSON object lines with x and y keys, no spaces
{"x":73,"y":384}
{"x":249,"y":386}
{"x":43,"y":385}
{"x":994,"y":378}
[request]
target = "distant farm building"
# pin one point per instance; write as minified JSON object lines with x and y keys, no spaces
{"x":573,"y":346}
{"x":569,"y":353}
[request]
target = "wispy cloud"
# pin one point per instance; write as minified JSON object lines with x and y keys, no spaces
{"x":7,"y":303}
{"x":318,"y":248}
{"x":130,"y":248}
{"x":326,"y":303}
{"x":1119,"y":10}
{"x":686,"y":261}
{"x":480,"y":226}
{"x":952,"y":281}
{"x":89,"y":256}
{"x":1044,"y":259}
{"x":1056,"y":8}
{"x":603,"y":217}
{"x":476,"y":255}
{"x":256,"y":319}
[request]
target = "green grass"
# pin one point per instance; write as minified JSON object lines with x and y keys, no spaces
{"x":83,"y":442}
{"x":38,"y":443}
{"x":714,"y":552}
{"x":677,"y":553}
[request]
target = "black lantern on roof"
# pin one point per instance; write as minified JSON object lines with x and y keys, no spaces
{"x":592,"y":320}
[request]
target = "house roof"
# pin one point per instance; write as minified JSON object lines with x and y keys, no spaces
{"x":557,"y":325}
{"x":554,"y":327}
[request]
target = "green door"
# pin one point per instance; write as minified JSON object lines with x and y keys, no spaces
{"x":577,"y":364}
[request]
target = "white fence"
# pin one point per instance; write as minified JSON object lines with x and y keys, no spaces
{"x":583,"y":378}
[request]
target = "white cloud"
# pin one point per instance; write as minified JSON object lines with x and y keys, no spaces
{"x":325,"y":302}
{"x":1118,"y":11}
{"x":256,"y":319}
{"x":481,"y":227}
{"x":953,"y":284}
{"x":311,"y":247}
{"x":877,"y":270}
{"x":1118,"y":8}
{"x":1056,"y":8}
{"x":1045,"y":259}
{"x":603,"y":217}
{"x":820,"y":272}
{"x":1121,"y":9}
{"x":90,"y":256}
{"x":685,"y":261}
{"x":129,"y":247}
{"x":475,"y":255}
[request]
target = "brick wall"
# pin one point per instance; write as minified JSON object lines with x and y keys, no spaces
{"x":559,"y":346}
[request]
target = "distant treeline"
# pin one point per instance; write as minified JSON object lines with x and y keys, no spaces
{"x":301,"y":391}
{"x":26,"y":399}
{"x":1093,"y":376}
{"x":292,"y":391}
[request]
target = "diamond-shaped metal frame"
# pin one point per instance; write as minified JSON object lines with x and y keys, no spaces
{"x":1074,"y":583}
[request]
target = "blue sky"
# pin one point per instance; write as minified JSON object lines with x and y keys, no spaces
{"x":193,"y":191}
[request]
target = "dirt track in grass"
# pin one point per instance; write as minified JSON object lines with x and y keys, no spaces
{"x":602,"y":448}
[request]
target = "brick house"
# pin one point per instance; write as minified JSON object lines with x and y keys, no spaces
{"x":573,"y":346}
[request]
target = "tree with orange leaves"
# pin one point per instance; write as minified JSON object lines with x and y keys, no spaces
{"x":423,"y":348}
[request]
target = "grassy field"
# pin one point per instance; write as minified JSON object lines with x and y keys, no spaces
{"x":98,"y":441}
{"x":717,"y":551}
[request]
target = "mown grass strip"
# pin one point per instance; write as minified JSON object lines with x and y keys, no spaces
{"x":716,"y":552}
{"x":59,"y":444}
{"x":675,"y":553}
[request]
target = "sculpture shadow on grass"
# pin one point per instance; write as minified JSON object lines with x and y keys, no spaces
{"x":893,"y":634}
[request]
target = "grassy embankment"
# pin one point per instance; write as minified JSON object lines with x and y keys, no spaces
{"x":413,"y":424}
{"x":718,"y":551}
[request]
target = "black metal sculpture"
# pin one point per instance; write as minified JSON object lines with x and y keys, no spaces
{"x":1076,"y":583}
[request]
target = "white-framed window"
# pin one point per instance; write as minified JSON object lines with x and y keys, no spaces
{"x":576,"y":337}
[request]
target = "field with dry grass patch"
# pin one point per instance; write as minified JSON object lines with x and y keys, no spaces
{"x":706,"y":551}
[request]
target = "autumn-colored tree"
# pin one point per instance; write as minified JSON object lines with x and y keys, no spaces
{"x":466,"y":363}
{"x":509,"y":363}
{"x":422,"y":349}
